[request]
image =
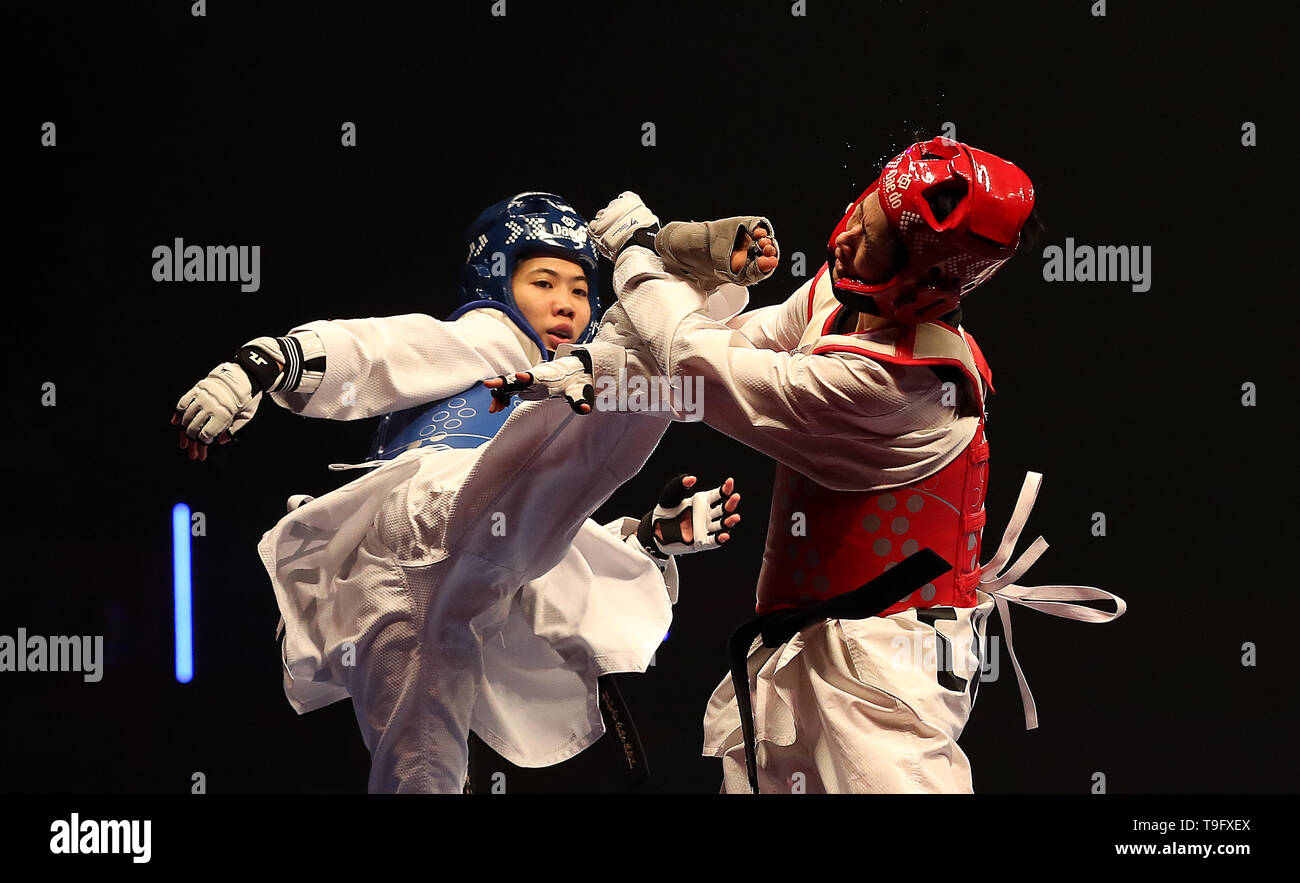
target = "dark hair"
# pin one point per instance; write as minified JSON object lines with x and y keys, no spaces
{"x":1032,"y":232}
{"x":943,"y":201}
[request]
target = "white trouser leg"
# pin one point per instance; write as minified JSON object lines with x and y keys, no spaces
{"x":870,"y":715}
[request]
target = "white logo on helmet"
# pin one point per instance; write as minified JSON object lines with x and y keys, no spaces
{"x":567,"y":233}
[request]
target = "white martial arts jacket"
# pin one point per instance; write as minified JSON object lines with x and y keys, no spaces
{"x":843,"y":419}
{"x":846,"y":421}
{"x":550,"y":616}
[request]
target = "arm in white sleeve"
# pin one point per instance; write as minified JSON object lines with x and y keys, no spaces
{"x":779,"y":326}
{"x":617,"y":353}
{"x":845,"y":420}
{"x":625,"y":530}
{"x":377,"y":365}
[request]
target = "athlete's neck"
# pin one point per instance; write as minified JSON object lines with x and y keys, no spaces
{"x":868,"y":322}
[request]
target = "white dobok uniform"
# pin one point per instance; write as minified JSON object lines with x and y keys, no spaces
{"x":454,"y":590}
{"x":842,"y":706}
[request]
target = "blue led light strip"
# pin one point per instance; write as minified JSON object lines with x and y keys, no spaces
{"x":181,"y":593}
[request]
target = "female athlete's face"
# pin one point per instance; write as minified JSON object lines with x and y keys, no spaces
{"x":866,"y":250}
{"x":552,"y":295}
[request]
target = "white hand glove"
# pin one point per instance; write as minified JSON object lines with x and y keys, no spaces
{"x":221,"y":402}
{"x":614,"y":225}
{"x":568,"y":376}
{"x":711,"y":514}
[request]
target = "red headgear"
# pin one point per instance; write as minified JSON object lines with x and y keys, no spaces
{"x":970,"y":243}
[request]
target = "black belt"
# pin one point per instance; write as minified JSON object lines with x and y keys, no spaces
{"x":780,"y":626}
{"x":618,"y":723}
{"x":618,"y":758}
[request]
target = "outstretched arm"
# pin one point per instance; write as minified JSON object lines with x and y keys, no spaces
{"x":843,"y":419}
{"x":374,"y":366}
{"x":349,"y":369}
{"x":776,"y":327}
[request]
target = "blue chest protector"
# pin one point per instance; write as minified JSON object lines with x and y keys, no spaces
{"x":459,"y":421}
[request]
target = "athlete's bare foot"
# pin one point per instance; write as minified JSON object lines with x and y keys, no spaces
{"x":766,"y":263}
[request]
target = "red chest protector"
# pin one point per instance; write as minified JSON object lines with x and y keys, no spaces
{"x":822,"y":542}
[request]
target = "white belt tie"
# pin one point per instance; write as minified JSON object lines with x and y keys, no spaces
{"x":1052,"y":600}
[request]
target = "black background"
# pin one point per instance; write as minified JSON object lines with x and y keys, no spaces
{"x":225,"y":129}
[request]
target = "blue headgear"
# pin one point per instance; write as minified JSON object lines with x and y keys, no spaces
{"x":525,"y":225}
